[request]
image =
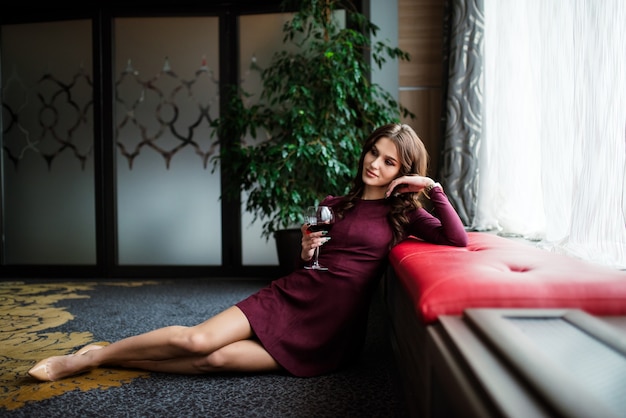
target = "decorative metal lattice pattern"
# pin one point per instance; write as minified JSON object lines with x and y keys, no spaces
{"x":173,"y":96}
{"x":164,"y":113}
{"x":47,"y":117}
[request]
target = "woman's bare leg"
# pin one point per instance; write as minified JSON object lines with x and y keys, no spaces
{"x":240,"y":356}
{"x":166,"y":343}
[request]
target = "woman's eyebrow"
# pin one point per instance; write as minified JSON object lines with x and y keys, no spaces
{"x":391,"y":158}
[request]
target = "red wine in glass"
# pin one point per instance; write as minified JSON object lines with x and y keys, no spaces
{"x":319,"y":227}
{"x":320,"y":218}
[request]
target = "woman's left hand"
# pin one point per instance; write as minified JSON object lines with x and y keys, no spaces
{"x":408,"y":184}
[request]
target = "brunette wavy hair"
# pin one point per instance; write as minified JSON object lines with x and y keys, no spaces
{"x":413,"y":161}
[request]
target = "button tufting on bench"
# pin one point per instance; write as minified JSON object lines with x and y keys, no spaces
{"x":518,"y":269}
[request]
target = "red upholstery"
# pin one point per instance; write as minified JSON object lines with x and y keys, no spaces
{"x":496,"y":272}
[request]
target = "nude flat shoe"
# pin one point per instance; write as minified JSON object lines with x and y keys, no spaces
{"x":40,"y":371}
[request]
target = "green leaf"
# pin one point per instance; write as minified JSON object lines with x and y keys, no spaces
{"x":315,"y":108}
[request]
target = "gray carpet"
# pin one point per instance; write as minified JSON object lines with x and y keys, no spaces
{"x":367,"y":389}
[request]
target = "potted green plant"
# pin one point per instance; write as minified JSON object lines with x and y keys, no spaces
{"x":316,"y":107}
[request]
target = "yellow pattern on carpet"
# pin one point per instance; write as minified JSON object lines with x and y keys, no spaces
{"x":26,"y":312}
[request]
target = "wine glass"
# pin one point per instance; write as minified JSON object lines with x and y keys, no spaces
{"x":319,"y":218}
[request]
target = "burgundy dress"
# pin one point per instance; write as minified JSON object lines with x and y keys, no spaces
{"x":313,"y":322}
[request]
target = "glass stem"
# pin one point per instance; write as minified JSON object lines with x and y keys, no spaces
{"x":316,"y":257}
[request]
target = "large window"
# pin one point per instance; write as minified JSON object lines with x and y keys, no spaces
{"x":553,"y":163}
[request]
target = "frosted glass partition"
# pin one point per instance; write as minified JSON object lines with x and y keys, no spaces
{"x":259,"y":37}
{"x":47,"y":143}
{"x":168,"y":207}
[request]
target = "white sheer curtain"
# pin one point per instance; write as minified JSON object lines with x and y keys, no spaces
{"x":553,"y":156}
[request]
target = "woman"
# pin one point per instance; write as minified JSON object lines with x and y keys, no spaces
{"x":308,"y":322}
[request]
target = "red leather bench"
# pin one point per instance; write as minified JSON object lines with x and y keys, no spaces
{"x":498,"y":272}
{"x":426,"y":281}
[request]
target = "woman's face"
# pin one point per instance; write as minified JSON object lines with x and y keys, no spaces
{"x":380,"y":166}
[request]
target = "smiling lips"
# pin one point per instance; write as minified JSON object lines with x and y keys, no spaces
{"x":370,"y":173}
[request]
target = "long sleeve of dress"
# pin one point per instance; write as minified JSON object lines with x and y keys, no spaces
{"x":444,"y":228}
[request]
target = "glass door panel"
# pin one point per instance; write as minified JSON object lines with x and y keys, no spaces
{"x":168,"y":206}
{"x":47,"y":144}
{"x":260,"y":36}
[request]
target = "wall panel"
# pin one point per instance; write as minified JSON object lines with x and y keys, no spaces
{"x":420,"y":33}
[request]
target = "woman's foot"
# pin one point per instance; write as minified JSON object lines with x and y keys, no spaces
{"x":57,"y":367}
{"x":88,"y":348}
